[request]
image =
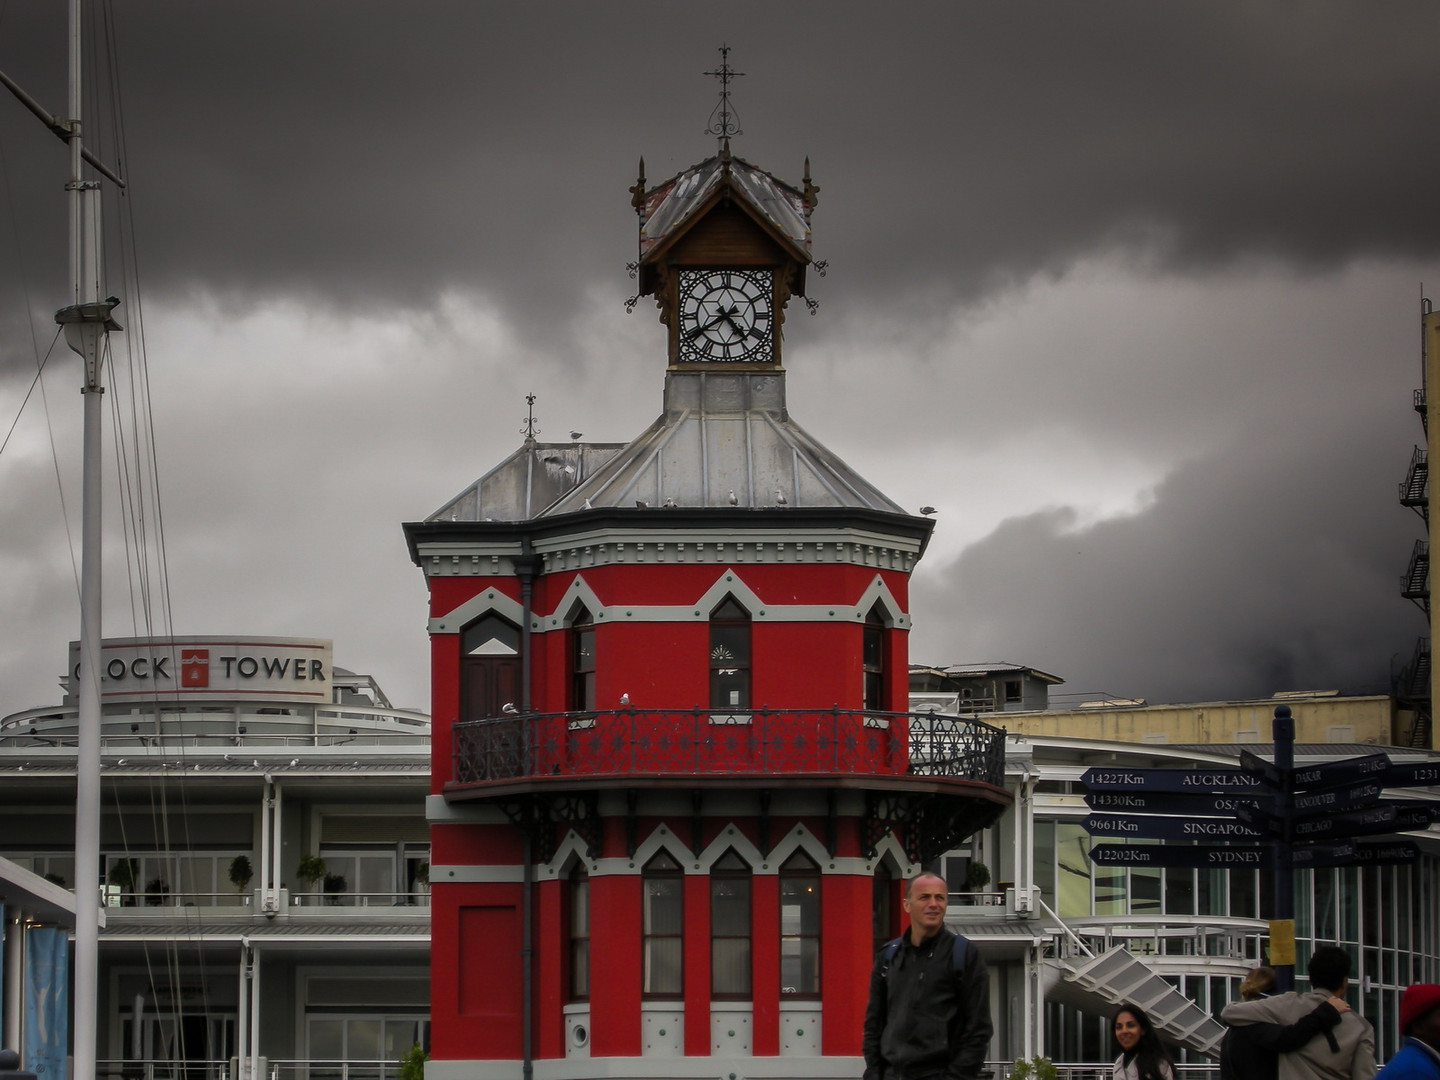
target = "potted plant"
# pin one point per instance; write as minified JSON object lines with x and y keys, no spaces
{"x":335,"y":884}
{"x":412,"y":1065}
{"x":156,"y":890}
{"x":310,"y":870}
{"x":1036,"y":1068}
{"x":977,"y":877}
{"x":241,"y":873}
{"x":121,"y":877}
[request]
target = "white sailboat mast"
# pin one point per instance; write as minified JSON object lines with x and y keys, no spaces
{"x":87,"y":322}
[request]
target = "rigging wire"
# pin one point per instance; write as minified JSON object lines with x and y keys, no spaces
{"x":147,"y":568}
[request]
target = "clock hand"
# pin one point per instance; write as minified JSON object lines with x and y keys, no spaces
{"x":722,"y":316}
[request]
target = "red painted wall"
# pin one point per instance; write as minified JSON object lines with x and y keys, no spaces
{"x":697,"y":965}
{"x":476,"y":928}
{"x":550,"y":968}
{"x":475,"y":970}
{"x":615,"y":913}
{"x":765,"y":964}
{"x":845,"y":959}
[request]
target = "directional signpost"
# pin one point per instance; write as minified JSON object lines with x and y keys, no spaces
{"x":1278,"y":816}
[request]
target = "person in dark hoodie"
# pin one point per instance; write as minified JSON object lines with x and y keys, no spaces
{"x":928,"y":1016}
{"x":1252,"y":1051}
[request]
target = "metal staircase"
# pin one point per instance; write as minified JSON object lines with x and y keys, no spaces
{"x":1415,"y":585}
{"x":1119,"y":977}
{"x":1415,"y":488}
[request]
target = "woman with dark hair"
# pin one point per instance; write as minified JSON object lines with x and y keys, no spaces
{"x":1142,"y":1054}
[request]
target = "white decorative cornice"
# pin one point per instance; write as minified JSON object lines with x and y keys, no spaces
{"x":652,"y":547}
{"x":729,"y":582}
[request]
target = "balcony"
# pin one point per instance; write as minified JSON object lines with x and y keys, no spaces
{"x":931,"y":779}
{"x":698,"y":744}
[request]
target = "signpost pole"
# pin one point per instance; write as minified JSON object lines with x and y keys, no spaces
{"x":1282,"y":923}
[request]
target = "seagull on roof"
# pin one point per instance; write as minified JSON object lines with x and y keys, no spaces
{"x":586,"y":504}
{"x":624,"y":699}
{"x":576,"y":435}
{"x":670,"y":504}
{"x":642,"y":504}
{"x":294,"y":761}
{"x":509,"y":708}
{"x":732,"y":499}
{"x":927,"y":510}
{"x":780,"y":499}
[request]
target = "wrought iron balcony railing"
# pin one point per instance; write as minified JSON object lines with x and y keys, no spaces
{"x":715,"y":743}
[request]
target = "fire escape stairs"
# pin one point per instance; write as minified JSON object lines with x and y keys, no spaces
{"x":1415,"y":489}
{"x":1416,"y":583}
{"x":1117,"y":977}
{"x":1420,"y":737}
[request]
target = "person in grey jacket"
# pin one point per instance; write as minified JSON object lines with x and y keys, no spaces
{"x":1343,"y":1052}
{"x":926,"y":1020}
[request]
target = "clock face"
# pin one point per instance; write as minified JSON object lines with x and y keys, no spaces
{"x":726,"y":315}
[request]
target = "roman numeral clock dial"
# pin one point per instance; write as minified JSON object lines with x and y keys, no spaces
{"x":726,"y":315}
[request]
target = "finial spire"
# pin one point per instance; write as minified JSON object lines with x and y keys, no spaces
{"x":724,"y":122}
{"x":531,"y":429}
{"x":637,"y":193}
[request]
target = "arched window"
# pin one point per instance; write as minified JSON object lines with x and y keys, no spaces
{"x":730,"y":928}
{"x":663,"y":922}
{"x":582,"y":661}
{"x":577,"y":930}
{"x":729,"y":656}
{"x":873,"y":660}
{"x":800,"y":927}
{"x":489,"y":667}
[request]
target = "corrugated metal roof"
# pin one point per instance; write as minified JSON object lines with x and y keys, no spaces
{"x":996,"y":667}
{"x":670,"y":204}
{"x":527,"y":481}
{"x":724,"y":440}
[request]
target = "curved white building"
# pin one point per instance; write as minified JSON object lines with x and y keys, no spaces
{"x":226,"y":761}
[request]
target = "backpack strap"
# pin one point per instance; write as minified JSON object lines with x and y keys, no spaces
{"x":957,"y":956}
{"x":887,"y":954}
{"x":962,"y":944}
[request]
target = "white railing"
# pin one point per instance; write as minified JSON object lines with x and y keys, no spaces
{"x":311,"y":1069}
{"x":166,"y":900}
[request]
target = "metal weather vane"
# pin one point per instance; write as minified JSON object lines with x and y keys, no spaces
{"x":531,"y":428}
{"x":724,"y":121}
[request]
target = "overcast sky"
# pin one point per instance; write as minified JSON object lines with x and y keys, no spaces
{"x":1129,"y":291}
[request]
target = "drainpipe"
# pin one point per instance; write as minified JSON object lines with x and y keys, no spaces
{"x":526,"y":563}
{"x":527,"y":958}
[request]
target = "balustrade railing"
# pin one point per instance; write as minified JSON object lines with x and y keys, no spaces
{"x":639,"y":742}
{"x":302,"y":1069}
{"x":163,"y":898}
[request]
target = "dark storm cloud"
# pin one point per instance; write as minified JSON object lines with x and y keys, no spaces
{"x":369,"y":153}
{"x":1273,"y":565}
{"x":1124,"y":232}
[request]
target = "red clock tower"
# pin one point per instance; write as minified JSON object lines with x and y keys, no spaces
{"x":675,"y":787}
